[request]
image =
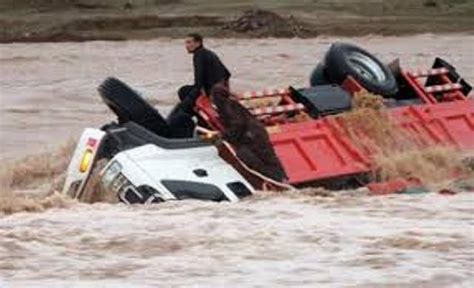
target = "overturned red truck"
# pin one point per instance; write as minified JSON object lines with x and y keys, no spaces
{"x":305,"y":125}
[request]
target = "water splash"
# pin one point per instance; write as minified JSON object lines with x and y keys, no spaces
{"x":31,"y":184}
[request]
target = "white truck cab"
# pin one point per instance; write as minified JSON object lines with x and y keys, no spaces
{"x":149,"y":168}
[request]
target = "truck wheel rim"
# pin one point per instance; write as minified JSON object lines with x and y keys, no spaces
{"x":366,"y":67}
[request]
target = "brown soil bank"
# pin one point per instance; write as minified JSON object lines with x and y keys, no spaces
{"x":82,"y":20}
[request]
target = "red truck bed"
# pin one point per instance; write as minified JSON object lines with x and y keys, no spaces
{"x":318,"y":149}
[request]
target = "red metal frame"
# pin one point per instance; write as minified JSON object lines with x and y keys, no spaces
{"x":318,"y":149}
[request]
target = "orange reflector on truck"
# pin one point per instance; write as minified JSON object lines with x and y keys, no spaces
{"x":86,"y":160}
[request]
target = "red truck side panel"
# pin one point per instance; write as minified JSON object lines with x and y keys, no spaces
{"x":315,"y":150}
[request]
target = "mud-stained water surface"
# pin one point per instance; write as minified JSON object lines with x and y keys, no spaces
{"x":304,"y":238}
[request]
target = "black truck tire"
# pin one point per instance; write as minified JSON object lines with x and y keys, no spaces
{"x":128,"y":105}
{"x":318,"y":76}
{"x":344,"y":60}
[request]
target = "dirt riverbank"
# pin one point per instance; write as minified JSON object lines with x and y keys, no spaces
{"x":83,"y":20}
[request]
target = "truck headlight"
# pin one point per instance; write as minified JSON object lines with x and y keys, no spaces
{"x":119,"y":183}
{"x":111,"y":173}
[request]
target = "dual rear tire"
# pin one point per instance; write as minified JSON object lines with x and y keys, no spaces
{"x":343,"y":60}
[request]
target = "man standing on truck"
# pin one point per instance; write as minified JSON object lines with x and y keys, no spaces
{"x":208,"y":71}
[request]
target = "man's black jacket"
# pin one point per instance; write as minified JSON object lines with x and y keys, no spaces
{"x":208,"y":69}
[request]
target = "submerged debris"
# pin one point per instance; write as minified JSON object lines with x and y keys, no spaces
{"x":395,"y":153}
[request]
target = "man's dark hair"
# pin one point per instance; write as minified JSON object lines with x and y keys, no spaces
{"x":196,"y":37}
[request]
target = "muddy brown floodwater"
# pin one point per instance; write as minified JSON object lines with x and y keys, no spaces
{"x":274,"y":240}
